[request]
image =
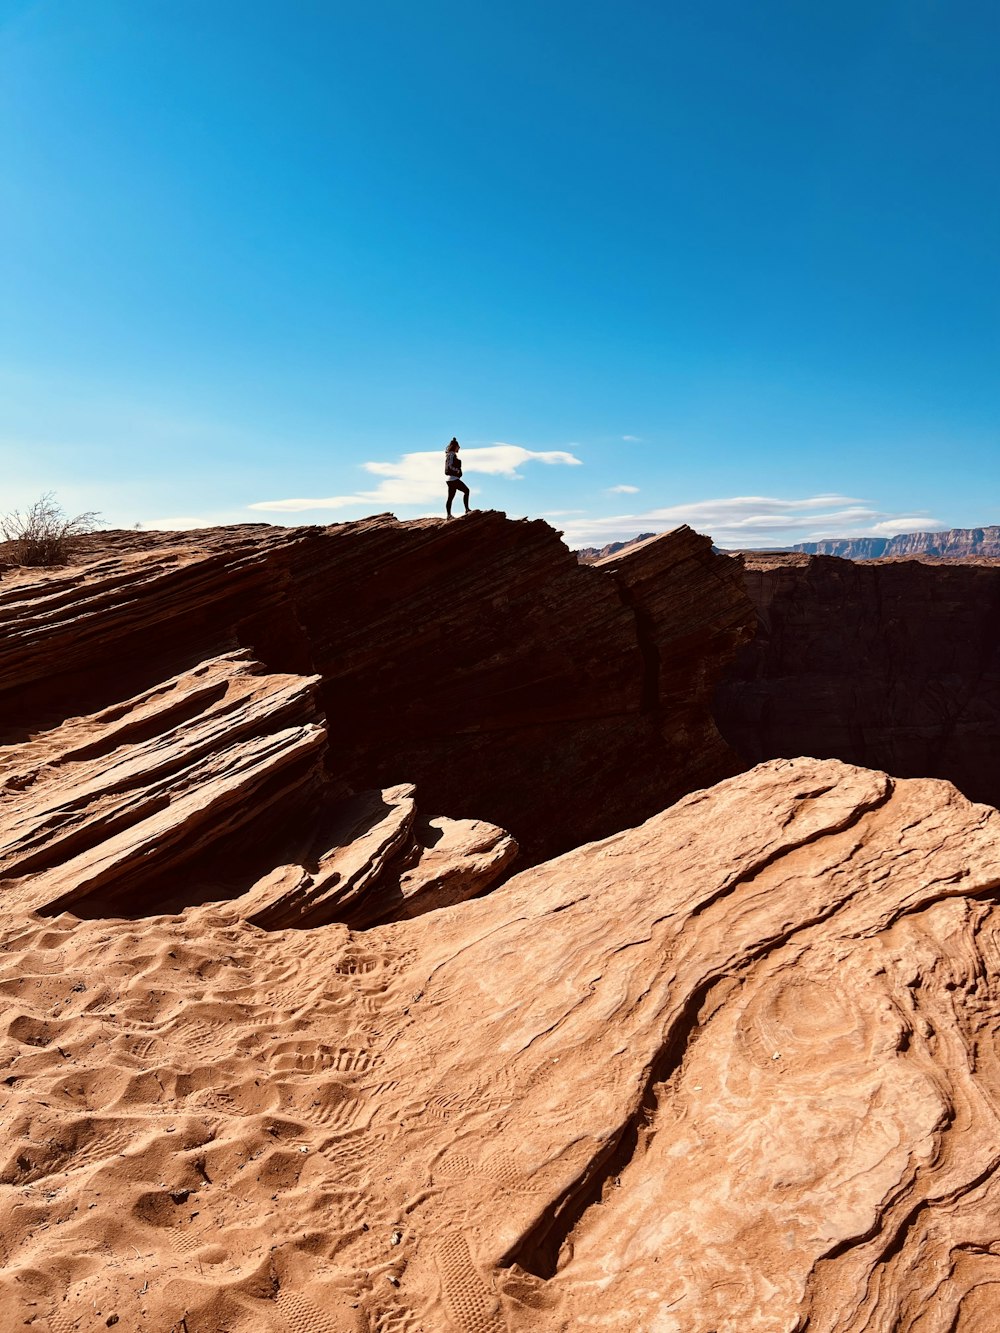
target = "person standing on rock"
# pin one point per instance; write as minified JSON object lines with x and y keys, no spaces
{"x":453,"y":475}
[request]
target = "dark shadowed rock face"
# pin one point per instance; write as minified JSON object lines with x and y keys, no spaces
{"x":895,"y":665}
{"x":476,"y":659}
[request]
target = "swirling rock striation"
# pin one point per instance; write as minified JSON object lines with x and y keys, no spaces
{"x":735,"y":1069}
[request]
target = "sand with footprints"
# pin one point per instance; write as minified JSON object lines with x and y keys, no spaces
{"x":715,"y":1072}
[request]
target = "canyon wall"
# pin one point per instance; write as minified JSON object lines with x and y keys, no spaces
{"x":954,"y":544}
{"x":895,"y":665}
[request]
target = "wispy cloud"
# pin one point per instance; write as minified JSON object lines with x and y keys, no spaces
{"x":631,"y":439}
{"x":185,"y":522}
{"x":623,"y":490}
{"x":755,"y":520}
{"x":418,"y":479}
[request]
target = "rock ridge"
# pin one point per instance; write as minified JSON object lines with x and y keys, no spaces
{"x":475,"y":659}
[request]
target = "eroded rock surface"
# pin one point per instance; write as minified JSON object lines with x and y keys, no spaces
{"x":735,"y":1069}
{"x":476,"y":659}
{"x":212,"y":785}
{"x":894,"y":665}
{"x":280,"y":1053}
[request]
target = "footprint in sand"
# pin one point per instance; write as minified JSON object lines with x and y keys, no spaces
{"x":358,"y":964}
{"x":60,"y":1159}
{"x":302,"y":1316}
{"x":32,"y":1031}
{"x":335,"y":1108}
{"x":310,"y":1057}
{"x":471,"y":1304}
{"x":200,"y":1040}
{"x":347,"y":1159}
{"x":135,"y":1046}
{"x":490,"y":1093}
{"x":398,"y":1319}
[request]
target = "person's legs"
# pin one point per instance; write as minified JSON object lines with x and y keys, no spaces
{"x":452,"y":488}
{"x":465,"y":493}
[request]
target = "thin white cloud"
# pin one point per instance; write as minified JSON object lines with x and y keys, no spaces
{"x":753,"y":520}
{"x":418,"y":479}
{"x":623,"y":490}
{"x":185,"y":522}
{"x":631,"y":439}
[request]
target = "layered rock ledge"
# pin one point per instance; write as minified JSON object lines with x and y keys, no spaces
{"x":474,"y":659}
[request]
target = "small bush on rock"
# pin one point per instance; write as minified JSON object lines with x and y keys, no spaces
{"x":43,"y":535}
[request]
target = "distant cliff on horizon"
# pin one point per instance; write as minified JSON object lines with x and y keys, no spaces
{"x":953,"y":544}
{"x":588,"y":554}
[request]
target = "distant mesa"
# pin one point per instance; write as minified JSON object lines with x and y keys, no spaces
{"x":955,"y":544}
{"x":587,"y":555}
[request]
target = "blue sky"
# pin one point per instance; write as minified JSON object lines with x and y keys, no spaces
{"x":742,"y":258}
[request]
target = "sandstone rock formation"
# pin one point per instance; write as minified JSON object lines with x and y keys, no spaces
{"x":732,"y":1070}
{"x":283,"y":1049}
{"x":955,"y":543}
{"x":475,"y":659}
{"x":894,"y":665}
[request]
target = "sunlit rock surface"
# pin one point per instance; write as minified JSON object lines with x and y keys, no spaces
{"x":733,"y":1069}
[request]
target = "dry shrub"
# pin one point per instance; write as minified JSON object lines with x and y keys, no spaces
{"x":43,"y":535}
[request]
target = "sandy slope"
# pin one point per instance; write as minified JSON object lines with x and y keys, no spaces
{"x":730,"y":1070}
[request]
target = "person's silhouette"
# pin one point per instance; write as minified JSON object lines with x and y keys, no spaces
{"x":453,"y":475}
